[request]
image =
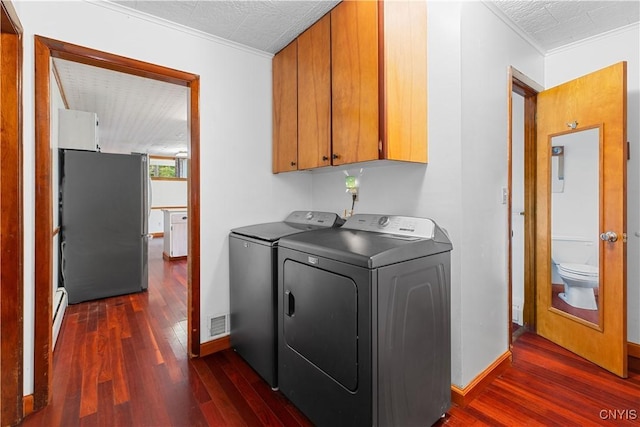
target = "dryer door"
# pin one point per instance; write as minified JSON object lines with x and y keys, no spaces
{"x":321,"y":320}
{"x":324,"y":338}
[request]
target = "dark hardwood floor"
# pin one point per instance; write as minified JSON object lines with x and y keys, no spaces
{"x":123,"y":361}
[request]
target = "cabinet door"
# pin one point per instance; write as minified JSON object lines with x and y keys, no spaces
{"x":404,"y":35}
{"x":314,"y":95}
{"x":354,"y":68}
{"x":179,"y":239}
{"x":285,"y":109}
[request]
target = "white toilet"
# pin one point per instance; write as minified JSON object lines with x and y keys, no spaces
{"x":572,"y":258}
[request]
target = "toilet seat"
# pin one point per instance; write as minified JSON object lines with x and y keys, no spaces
{"x":579,"y":271}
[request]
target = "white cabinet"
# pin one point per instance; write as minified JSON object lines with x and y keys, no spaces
{"x":77,"y":130}
{"x":175,"y":234}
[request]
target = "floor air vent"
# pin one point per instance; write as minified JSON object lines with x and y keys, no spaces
{"x":218,"y":325}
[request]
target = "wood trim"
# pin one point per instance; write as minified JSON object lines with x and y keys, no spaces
{"x":45,"y":49}
{"x":12,"y":219}
{"x":215,"y":346}
{"x":510,"y":87}
{"x":193,"y":189}
{"x":633,"y":356}
{"x":527,"y":88}
{"x":109,"y":61}
{"x":167,"y":257}
{"x":43,"y":260}
{"x":167,"y":178}
{"x":167,"y":207}
{"x":633,"y":350}
{"x":10,"y":23}
{"x":462,"y":397}
{"x":27,"y":405}
{"x":155,"y":156}
{"x":530,"y":203}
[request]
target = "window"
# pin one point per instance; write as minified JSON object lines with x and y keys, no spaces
{"x":161,"y":167}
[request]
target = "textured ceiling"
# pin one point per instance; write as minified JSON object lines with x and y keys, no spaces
{"x":552,"y":24}
{"x":143,"y":115}
{"x":264,"y":25}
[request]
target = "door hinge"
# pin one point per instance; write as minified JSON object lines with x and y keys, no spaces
{"x":380,"y":146}
{"x":624,"y":237}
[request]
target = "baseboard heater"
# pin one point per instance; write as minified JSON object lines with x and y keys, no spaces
{"x":59,"y":306}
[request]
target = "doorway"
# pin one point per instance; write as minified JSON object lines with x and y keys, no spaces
{"x":45,"y":50}
{"x":568,"y":116}
{"x":521,"y":202}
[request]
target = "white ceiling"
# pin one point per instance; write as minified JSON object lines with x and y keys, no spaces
{"x":142,"y":115}
{"x":552,"y":24}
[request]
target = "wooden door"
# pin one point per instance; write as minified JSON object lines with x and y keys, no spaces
{"x":314,"y":95}
{"x":285,"y":109}
{"x":354,"y":68}
{"x":593,"y":104}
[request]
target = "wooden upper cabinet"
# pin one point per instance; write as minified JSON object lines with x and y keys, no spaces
{"x":379,"y":71}
{"x":353,"y":88}
{"x":354,"y":68}
{"x":404,"y":85}
{"x":285,"y":109}
{"x":314,"y":95}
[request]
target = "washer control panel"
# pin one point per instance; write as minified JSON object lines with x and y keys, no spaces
{"x":392,"y":224}
{"x":321,"y":219}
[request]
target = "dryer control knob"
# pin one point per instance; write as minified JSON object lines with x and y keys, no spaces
{"x":309,"y":215}
{"x":383,"y":221}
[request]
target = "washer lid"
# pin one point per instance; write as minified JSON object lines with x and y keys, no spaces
{"x":365,"y":248}
{"x":296,"y":222}
{"x":581,"y":269}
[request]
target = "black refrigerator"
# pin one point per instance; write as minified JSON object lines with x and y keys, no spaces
{"x":103,"y":224}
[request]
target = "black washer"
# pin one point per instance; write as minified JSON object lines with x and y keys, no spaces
{"x":253,"y":273}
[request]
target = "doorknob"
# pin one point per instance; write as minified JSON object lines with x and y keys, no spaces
{"x":609,"y":236}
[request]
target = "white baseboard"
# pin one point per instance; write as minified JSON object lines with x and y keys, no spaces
{"x":516,"y":314}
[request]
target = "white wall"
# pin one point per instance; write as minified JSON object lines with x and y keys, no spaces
{"x":165,"y":193}
{"x":574,"y":61}
{"x":469,"y":52}
{"x":235,"y":113}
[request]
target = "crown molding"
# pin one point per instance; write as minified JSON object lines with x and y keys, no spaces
{"x":177,"y":27}
{"x":504,"y":18}
{"x":588,"y":40}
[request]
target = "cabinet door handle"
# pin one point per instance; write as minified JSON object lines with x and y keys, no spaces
{"x":325,"y":158}
{"x":335,"y":156}
{"x":293,"y":163}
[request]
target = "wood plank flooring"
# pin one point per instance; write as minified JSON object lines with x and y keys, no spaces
{"x":122,"y":361}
